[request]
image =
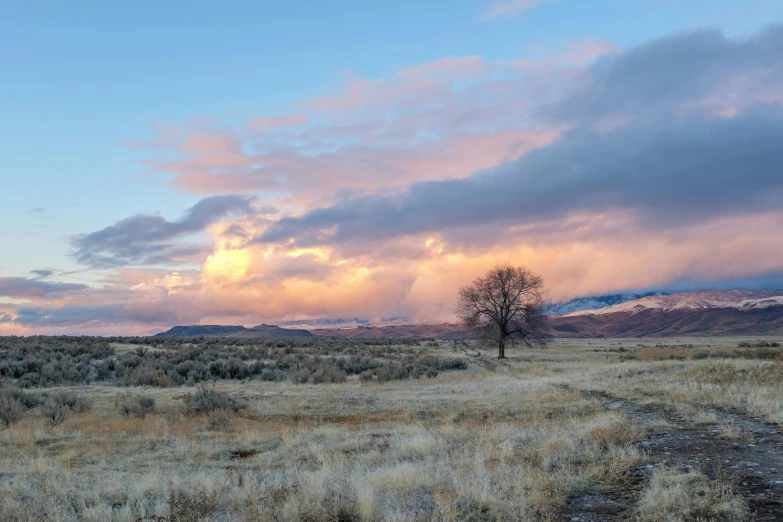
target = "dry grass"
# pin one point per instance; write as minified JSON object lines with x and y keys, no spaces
{"x":499,"y":441}
{"x":691,"y":387}
{"x":677,"y":496}
{"x":734,"y":433}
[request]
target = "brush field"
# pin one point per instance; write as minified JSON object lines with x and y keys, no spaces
{"x":135,"y":430}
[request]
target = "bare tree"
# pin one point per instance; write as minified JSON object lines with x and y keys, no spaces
{"x":509,"y":303}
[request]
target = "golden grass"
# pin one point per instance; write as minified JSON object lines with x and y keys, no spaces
{"x":508,"y":441}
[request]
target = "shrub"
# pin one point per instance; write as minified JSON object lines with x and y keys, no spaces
{"x":329,"y":373}
{"x":148,"y":376}
{"x":671,"y":357}
{"x":48,"y":361}
{"x":71,"y":401}
{"x":131,"y":405}
{"x":759,"y":344}
{"x":11,"y":410}
{"x":392,"y":372}
{"x":27,"y":399}
{"x":207,"y":399}
{"x":55,"y":413}
{"x":765,"y":353}
{"x":271,"y":375}
{"x":301,"y":375}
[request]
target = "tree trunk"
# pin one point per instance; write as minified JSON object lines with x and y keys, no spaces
{"x":502,"y":348}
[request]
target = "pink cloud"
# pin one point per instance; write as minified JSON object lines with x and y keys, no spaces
{"x":585,"y":51}
{"x":429,"y":121}
{"x":265,"y":123}
{"x":505,"y":8}
{"x":415,"y":277}
{"x":414,"y":82}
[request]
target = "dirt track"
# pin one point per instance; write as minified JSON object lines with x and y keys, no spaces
{"x":754,"y":464}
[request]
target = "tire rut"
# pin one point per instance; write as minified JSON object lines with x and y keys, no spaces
{"x":753,"y":465}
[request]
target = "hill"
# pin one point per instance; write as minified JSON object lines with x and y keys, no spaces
{"x":270,"y":331}
{"x":197,"y":330}
{"x":264,"y":331}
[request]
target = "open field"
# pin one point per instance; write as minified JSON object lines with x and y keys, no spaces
{"x":642,"y":429}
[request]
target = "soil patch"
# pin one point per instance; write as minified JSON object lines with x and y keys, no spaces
{"x":753,"y":463}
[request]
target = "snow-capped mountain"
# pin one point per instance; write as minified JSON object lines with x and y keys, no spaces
{"x":586,"y":304}
{"x":700,"y":300}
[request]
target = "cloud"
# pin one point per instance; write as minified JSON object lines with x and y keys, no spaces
{"x":671,"y":173}
{"x":132,"y":301}
{"x":450,"y":117}
{"x":22,"y":288}
{"x":438,"y":119}
{"x":42,"y":274}
{"x":148,"y":240}
{"x":5,"y":318}
{"x":412,"y":276}
{"x":652,"y":166}
{"x":86,"y":315}
{"x":506,"y":8}
{"x":265,"y":123}
{"x":701,"y":67}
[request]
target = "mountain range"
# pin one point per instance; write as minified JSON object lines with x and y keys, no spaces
{"x":581,"y":304}
{"x":701,"y":313}
{"x":702,"y":300}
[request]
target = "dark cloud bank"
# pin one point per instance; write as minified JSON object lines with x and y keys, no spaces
{"x":673,"y":172}
{"x":159,"y":313}
{"x":673,"y":71}
{"x":673,"y":164}
{"x":22,"y":288}
{"x":151,"y":240}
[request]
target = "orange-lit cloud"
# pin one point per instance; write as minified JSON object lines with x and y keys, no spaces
{"x":257,"y":285}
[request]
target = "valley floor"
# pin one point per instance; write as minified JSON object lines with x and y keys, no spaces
{"x":642,"y":429}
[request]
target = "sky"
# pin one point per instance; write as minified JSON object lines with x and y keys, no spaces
{"x":168,"y":163}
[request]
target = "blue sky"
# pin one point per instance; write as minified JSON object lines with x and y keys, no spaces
{"x":83,"y":79}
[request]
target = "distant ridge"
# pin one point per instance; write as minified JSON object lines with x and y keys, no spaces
{"x":702,"y":313}
{"x":262,"y":331}
{"x":270,"y":331}
{"x":207,"y":330}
